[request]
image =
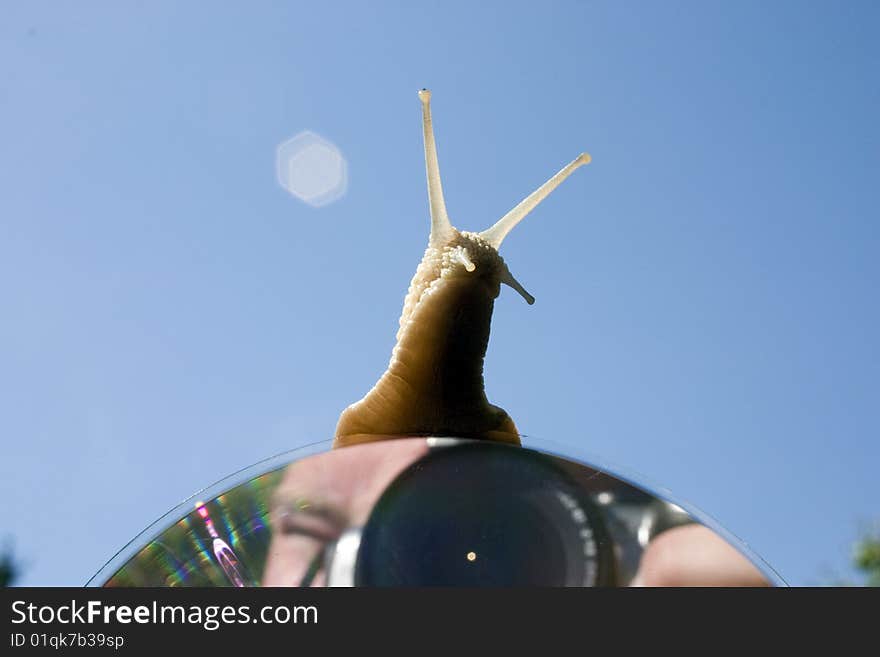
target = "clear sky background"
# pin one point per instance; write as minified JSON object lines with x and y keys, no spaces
{"x":707,"y":308}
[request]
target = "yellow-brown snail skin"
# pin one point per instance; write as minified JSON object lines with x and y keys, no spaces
{"x":434,"y":382}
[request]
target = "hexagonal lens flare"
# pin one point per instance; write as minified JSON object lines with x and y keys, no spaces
{"x":312,"y":169}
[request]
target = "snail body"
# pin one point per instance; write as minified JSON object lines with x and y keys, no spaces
{"x":434,"y":381}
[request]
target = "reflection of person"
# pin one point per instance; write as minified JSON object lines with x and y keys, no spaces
{"x":694,"y":555}
{"x":322,"y":496}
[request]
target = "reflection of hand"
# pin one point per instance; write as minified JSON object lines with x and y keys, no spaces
{"x":694,"y":555}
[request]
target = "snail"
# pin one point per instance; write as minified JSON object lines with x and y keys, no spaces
{"x":434,"y":382}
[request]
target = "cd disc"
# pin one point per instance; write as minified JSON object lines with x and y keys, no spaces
{"x":429,"y":512}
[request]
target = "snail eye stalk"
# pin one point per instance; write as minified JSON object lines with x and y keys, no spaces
{"x":496,"y":234}
{"x":441,"y":227}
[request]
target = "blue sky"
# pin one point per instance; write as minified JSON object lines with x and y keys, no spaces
{"x":706,"y":310}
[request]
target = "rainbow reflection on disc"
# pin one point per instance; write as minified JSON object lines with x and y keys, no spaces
{"x":219,"y":537}
{"x":222,"y":542}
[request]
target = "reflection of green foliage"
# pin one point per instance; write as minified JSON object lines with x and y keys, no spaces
{"x":8,"y":568}
{"x":866,"y":557}
{"x":865,"y":561}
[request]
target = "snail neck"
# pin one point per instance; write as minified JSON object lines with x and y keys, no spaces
{"x":434,"y":382}
{"x":442,"y":347}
